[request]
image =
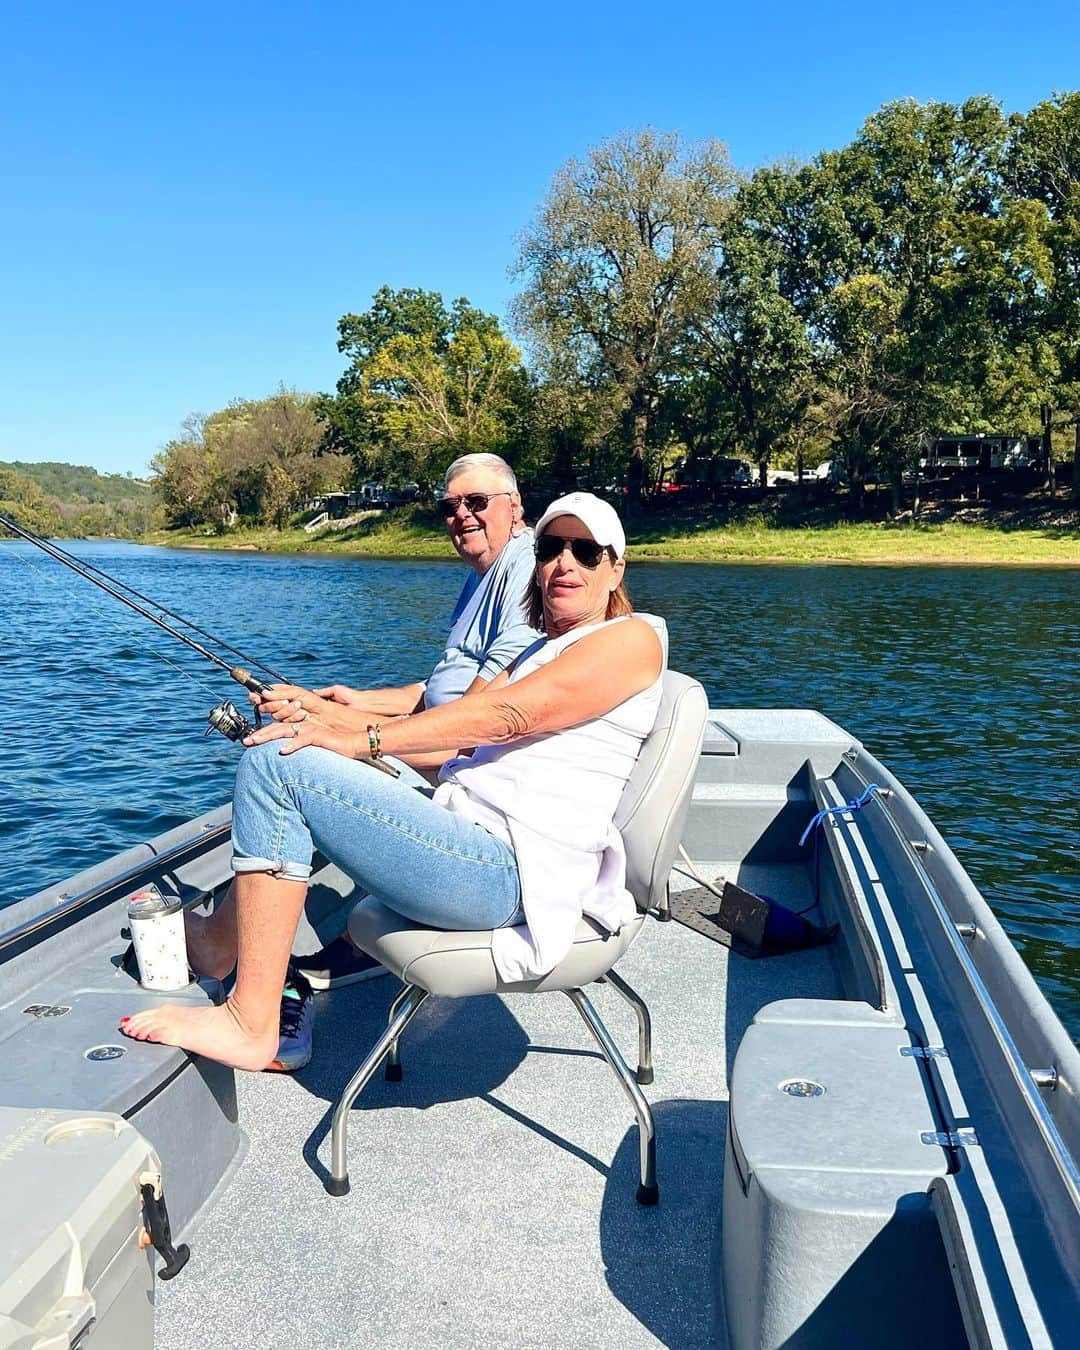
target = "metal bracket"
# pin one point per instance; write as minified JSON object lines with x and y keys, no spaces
{"x":950,"y":1138}
{"x":924,"y":1052}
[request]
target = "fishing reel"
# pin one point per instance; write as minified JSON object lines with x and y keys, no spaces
{"x":230,"y":721}
{"x":227,"y":717}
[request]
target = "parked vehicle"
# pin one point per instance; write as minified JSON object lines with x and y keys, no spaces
{"x":828,"y":471}
{"x":703,"y":477}
{"x":981,"y":453}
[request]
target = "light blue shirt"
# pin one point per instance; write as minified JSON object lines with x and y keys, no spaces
{"x":488,"y":628}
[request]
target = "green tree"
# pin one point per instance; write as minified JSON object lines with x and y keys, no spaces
{"x":24,"y":501}
{"x":574,"y":431}
{"x":916,"y":274}
{"x":255,"y":459}
{"x":430,"y":405}
{"x":752,"y":342}
{"x":424,"y":383}
{"x":347,"y":416}
{"x":96,"y":521}
{"x":619,"y":260}
{"x":1044,"y":167}
{"x":183,"y":476}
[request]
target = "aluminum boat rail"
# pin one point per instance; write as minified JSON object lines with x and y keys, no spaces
{"x":1026,"y":1079}
{"x":140,"y":873}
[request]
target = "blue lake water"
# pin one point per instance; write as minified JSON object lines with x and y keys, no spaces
{"x":963,"y":680}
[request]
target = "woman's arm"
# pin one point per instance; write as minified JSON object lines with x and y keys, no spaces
{"x":291,"y":703}
{"x":594,"y":675}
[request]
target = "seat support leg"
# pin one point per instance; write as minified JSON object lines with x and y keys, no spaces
{"x":409,"y":1000}
{"x":392,"y":1071}
{"x":648,"y":1193}
{"x":645,"y":1064}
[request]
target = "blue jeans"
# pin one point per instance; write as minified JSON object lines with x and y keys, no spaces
{"x":426,"y":863}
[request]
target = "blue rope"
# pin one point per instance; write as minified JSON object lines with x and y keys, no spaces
{"x":854,"y":805}
{"x":815,"y":825}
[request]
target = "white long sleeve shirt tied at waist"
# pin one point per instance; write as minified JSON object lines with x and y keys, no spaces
{"x":553,"y":798}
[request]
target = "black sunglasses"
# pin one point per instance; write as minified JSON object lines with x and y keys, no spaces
{"x":474,"y":501}
{"x":586,"y":551}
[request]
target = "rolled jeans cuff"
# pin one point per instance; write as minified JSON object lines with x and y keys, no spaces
{"x":279,"y":867}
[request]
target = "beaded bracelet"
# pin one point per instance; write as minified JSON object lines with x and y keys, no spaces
{"x":375,"y":741}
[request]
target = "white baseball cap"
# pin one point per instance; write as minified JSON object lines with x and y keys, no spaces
{"x":597,"y":515}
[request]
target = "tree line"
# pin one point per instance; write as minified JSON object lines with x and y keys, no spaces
{"x":252,"y":461}
{"x":922,"y":280}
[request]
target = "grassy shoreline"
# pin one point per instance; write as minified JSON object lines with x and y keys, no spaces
{"x":944,"y":543}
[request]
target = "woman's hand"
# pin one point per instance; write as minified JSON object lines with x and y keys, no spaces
{"x":295,"y":735}
{"x":291,"y":703}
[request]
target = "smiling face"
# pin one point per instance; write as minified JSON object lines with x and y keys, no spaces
{"x":572,"y":593}
{"x":479,"y":537}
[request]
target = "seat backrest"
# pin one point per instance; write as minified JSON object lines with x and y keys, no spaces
{"x":654,"y":804}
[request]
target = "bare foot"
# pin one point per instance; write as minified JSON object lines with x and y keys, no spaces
{"x":214,"y":1032}
{"x":211,"y":945}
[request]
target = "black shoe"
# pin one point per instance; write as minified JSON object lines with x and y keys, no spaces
{"x":338,"y":964}
{"x":297,"y":1016}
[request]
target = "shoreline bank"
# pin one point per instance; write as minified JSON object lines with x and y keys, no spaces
{"x":946,"y":544}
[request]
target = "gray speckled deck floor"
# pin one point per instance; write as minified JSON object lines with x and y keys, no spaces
{"x":493,"y":1189}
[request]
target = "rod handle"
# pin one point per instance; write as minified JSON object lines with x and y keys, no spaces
{"x":250,"y":682}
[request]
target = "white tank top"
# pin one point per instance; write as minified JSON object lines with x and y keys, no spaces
{"x":553,"y":798}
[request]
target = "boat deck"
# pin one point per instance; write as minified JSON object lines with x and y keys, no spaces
{"x":492,"y":1197}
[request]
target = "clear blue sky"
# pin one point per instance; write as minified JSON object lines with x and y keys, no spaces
{"x":193,"y":194}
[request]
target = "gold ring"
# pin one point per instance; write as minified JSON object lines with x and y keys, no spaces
{"x":295,"y":730}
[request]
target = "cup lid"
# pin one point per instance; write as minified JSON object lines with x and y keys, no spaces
{"x":145,"y":904}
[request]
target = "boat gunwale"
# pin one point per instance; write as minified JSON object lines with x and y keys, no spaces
{"x":210,"y":835}
{"x":1053,"y":1142}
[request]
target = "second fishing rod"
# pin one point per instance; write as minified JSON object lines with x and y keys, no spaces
{"x":225,"y":717}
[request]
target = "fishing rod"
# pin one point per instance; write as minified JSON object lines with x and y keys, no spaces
{"x":81,"y":565}
{"x":225,"y":717}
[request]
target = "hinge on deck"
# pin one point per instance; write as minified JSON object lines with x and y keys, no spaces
{"x":924,"y":1051}
{"x":950,"y":1138}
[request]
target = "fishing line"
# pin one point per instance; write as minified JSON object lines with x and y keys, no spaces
{"x":238,"y":673}
{"x":115,"y":621}
{"x":82,"y":565}
{"x":225,"y":717}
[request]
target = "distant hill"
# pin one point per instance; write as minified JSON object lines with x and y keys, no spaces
{"x":69,"y":483}
{"x":65,"y":501}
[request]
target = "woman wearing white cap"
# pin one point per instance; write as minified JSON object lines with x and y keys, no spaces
{"x":519,"y":836}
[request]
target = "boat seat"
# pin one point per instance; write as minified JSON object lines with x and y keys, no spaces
{"x":650,"y":816}
{"x":460,"y":965}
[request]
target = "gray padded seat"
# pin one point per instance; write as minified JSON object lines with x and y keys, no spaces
{"x":458,"y":965}
{"x":651,"y":815}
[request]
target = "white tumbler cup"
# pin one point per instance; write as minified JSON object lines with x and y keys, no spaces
{"x":157,"y":929}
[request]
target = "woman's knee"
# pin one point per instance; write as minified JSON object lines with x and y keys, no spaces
{"x":259,"y":764}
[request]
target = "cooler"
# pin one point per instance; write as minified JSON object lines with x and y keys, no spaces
{"x":72,"y":1271}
